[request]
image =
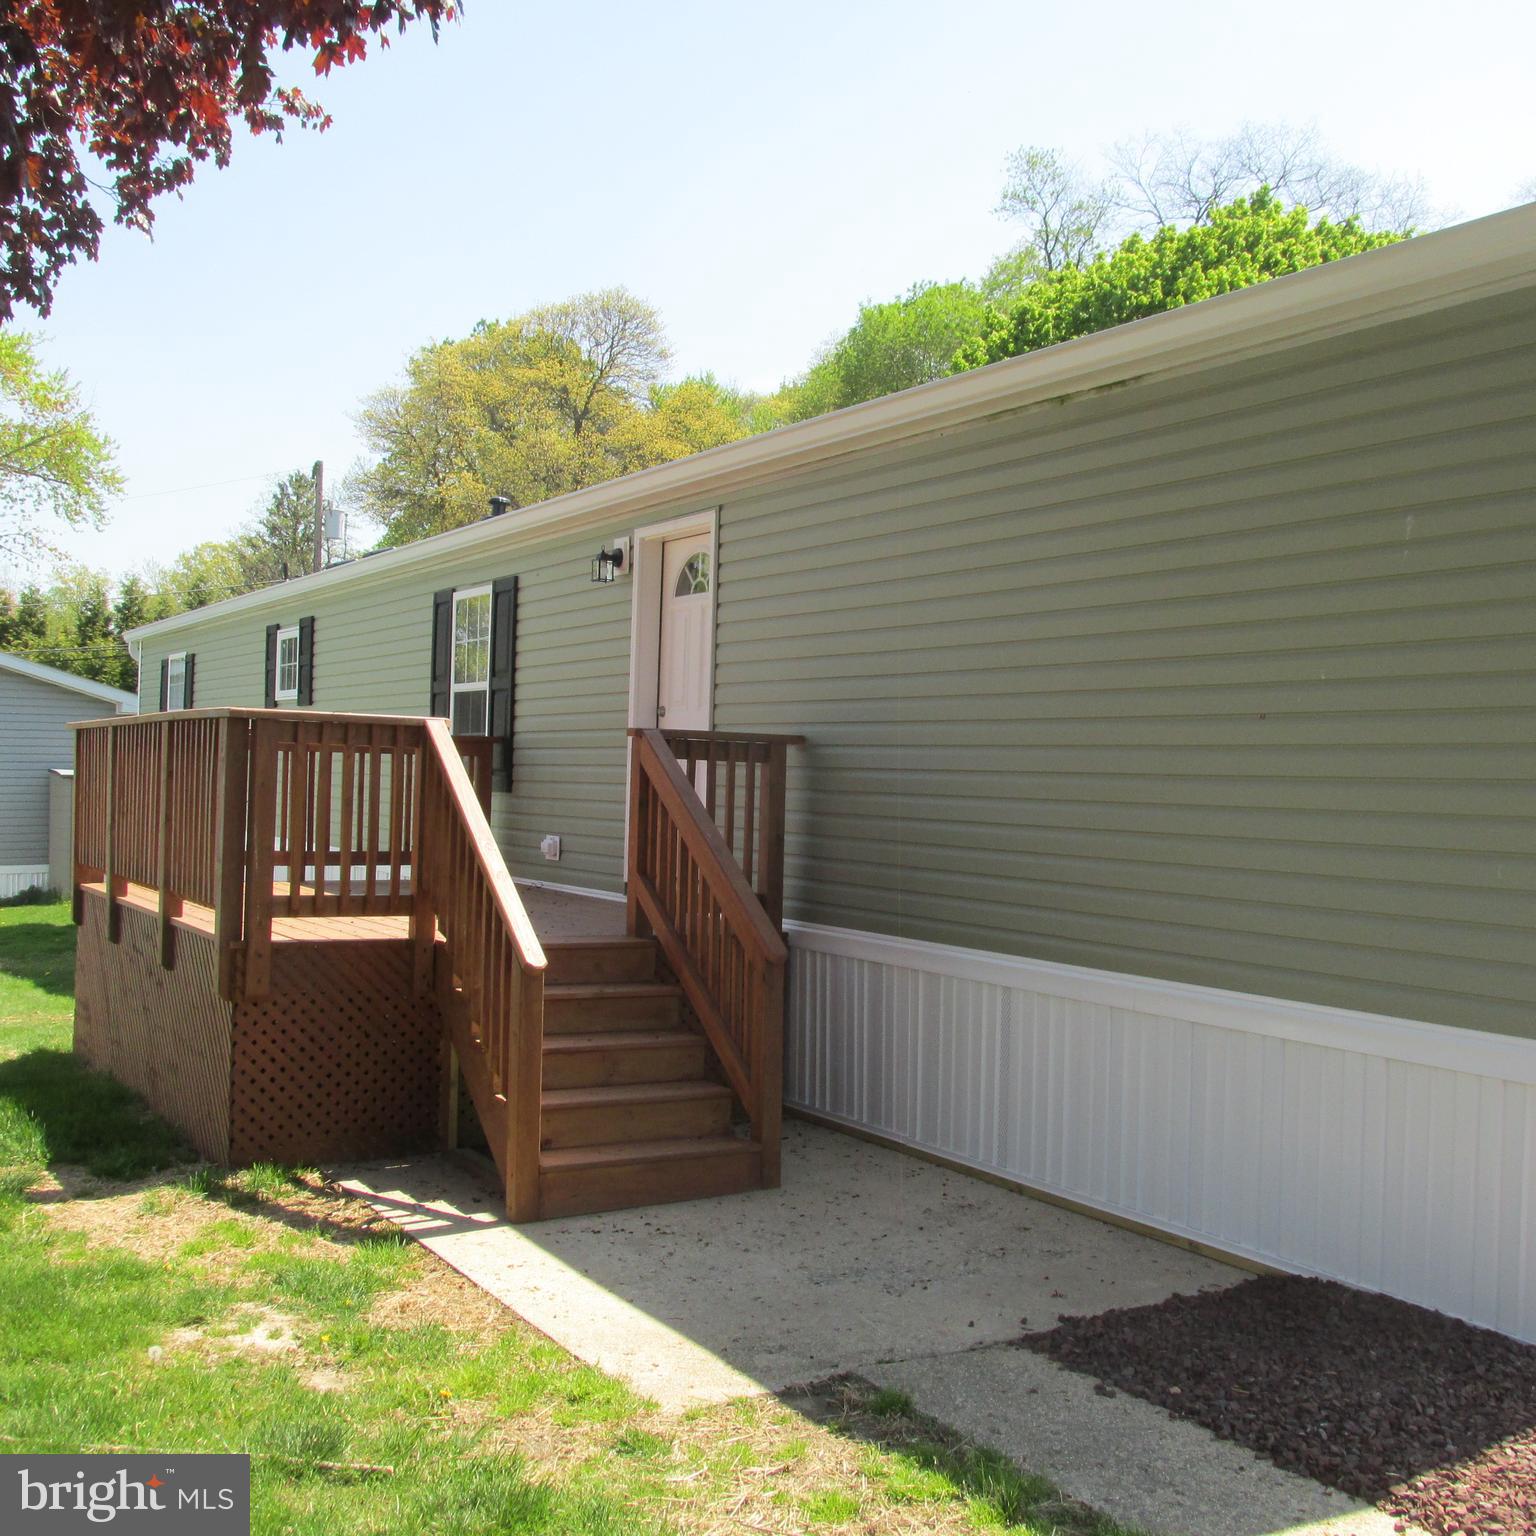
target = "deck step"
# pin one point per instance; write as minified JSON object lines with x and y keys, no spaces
{"x":584,"y":1117}
{"x":601,"y":1057}
{"x":611,"y":1005}
{"x":618,"y":1175}
{"x":578,"y":961}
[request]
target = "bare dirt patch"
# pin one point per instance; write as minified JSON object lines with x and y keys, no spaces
{"x":1430,"y":1418}
{"x":438,"y":1294}
{"x":154,"y":1228}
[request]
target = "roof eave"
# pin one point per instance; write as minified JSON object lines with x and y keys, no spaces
{"x":1484,"y":257}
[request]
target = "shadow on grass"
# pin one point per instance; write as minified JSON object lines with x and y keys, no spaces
{"x":40,"y":953}
{"x":925,"y":1460}
{"x":54,"y":1109}
{"x":287,"y":1196}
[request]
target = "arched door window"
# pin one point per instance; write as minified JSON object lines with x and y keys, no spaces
{"x":694,"y":576}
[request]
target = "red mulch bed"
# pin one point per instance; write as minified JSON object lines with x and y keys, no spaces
{"x":1430,"y":1418}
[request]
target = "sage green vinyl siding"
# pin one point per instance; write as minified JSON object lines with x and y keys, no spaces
{"x":372,"y":654}
{"x":1226,"y":677}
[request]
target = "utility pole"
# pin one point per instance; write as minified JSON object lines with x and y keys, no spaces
{"x":319,"y":475}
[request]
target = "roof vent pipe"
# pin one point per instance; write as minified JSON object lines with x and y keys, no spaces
{"x":499,"y":504}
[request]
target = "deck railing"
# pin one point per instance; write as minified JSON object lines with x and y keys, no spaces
{"x":740,"y":778}
{"x":254,"y":815}
{"x":492,"y":985}
{"x":687,"y":888}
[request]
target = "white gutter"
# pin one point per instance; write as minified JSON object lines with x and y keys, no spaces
{"x":1487,"y":256}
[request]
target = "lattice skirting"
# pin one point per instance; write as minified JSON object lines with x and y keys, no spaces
{"x":340,"y":1060}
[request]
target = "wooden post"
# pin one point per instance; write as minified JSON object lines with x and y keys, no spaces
{"x":423,"y":911}
{"x":263,"y":833}
{"x":768,"y":1069}
{"x":163,"y":849}
{"x":76,"y":898}
{"x":230,"y":822}
{"x":448,"y":1098}
{"x":771,"y":835}
{"x":636,"y":924}
{"x":523,"y":1092}
{"x":109,"y":879}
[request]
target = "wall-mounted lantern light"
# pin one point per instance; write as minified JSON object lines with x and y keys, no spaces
{"x":607,"y":563}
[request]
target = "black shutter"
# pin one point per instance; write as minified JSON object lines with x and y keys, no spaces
{"x":441,"y":701}
{"x":165,"y":683}
{"x":306,"y":662}
{"x":186,"y":681}
{"x":271,"y":695}
{"x":503,"y":678}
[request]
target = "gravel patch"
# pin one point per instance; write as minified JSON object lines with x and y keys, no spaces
{"x":1429,"y":1417}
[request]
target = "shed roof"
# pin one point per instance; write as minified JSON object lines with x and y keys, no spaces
{"x":24,"y":666}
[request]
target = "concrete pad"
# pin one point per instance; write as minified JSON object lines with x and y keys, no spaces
{"x":1127,"y":1458}
{"x":864,"y":1255}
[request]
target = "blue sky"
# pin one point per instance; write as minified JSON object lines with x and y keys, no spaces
{"x":754,"y":172}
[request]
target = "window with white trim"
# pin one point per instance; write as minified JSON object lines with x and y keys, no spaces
{"x":176,"y":680}
{"x":471,"y":676}
{"x":287,"y":663}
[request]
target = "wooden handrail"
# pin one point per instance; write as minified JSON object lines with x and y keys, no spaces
{"x":495,"y":1011}
{"x":359,"y":814}
{"x":741,"y":778}
{"x":687,"y":889}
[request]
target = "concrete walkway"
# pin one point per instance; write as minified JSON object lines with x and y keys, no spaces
{"x":873,"y":1262}
{"x":862,"y":1255}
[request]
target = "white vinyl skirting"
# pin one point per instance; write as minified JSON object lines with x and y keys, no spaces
{"x":16,"y":878}
{"x":1395,"y":1155}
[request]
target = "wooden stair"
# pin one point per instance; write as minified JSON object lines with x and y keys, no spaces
{"x":629,"y":1112}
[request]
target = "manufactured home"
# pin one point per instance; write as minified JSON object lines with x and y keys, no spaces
{"x":38,"y":704}
{"x":1132,"y":742}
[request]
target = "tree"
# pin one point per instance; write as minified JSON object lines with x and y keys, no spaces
{"x":562,"y":397}
{"x":280,"y":542}
{"x":204,"y":574}
{"x":895,"y":345}
{"x":149,"y":89}
{"x":55,"y":465}
{"x":1063,"y":213}
{"x":132,"y":608}
{"x":1175,"y":179}
{"x":86,"y":632}
{"x":1246,"y":242}
{"x":619,"y":339}
{"x":29,"y":620}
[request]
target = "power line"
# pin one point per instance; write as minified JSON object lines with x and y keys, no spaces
{"x":209,"y":485}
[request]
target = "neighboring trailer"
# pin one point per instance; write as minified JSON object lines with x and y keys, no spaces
{"x":37,"y":704}
{"x":1165,"y":837}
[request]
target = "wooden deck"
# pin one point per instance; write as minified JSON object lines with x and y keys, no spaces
{"x":299,"y":940}
{"x":557,"y":915}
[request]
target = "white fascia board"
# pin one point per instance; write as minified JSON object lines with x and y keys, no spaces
{"x":1487,"y":256}
{"x":24,"y":666}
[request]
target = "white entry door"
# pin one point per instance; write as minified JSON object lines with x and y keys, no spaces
{"x":687,"y":634}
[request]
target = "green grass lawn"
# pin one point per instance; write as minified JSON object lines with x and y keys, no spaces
{"x":150,"y":1303}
